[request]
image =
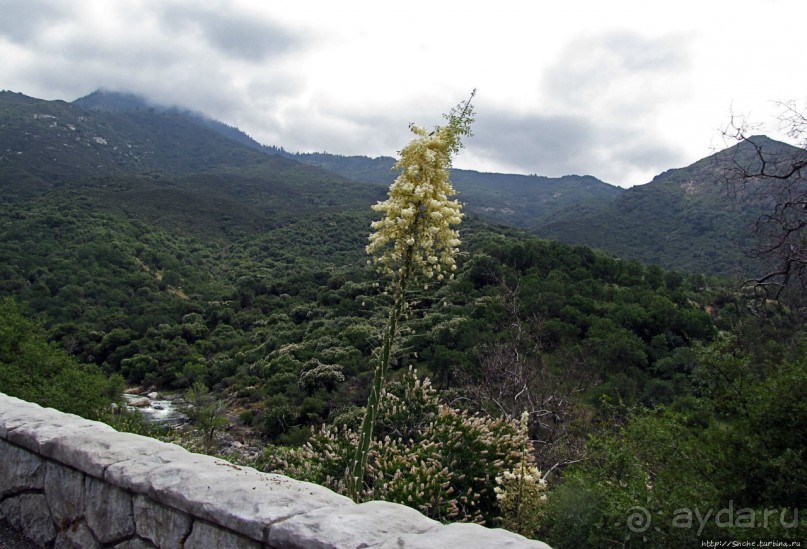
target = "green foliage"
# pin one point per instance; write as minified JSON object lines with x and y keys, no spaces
{"x":736,"y":452}
{"x":438,"y":460}
{"x":33,"y":369}
{"x":207,"y":412}
{"x":201,"y":264}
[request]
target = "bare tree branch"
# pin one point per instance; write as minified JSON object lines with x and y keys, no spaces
{"x":513,"y":378}
{"x":773,"y":176}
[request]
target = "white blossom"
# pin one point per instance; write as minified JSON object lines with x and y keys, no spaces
{"x":417,"y":235}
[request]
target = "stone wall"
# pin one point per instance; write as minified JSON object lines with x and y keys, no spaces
{"x":69,"y":482}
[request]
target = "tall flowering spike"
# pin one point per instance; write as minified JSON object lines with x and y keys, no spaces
{"x":415,"y":235}
{"x":414,"y":238}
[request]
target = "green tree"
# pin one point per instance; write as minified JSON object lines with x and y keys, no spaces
{"x":207,"y":412}
{"x":33,"y":369}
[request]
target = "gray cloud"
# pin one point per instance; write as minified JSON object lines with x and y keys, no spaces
{"x":596,"y":112}
{"x":23,"y":22}
{"x":562,"y":145}
{"x":531,"y":141}
{"x":600,"y":84}
{"x":612,"y":69}
{"x":225,"y":61}
{"x":239,"y":35}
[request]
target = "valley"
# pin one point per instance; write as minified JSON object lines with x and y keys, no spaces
{"x":157,"y":249}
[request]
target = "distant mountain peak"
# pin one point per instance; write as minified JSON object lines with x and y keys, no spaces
{"x":110,"y":101}
{"x":114,"y":101}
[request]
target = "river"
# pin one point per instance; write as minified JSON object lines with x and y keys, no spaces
{"x":162,"y":410}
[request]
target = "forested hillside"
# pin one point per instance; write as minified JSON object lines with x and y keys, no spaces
{"x":139,"y":248}
{"x":506,"y":199}
{"x":689,"y":218}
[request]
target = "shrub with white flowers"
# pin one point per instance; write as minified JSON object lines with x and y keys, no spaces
{"x":440,"y":461}
{"x":521,"y":493}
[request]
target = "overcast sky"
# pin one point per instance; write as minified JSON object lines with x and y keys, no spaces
{"x":621,"y":90}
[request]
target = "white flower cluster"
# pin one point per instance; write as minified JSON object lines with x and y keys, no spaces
{"x":507,"y":481}
{"x":415,"y":236}
{"x":521,"y":491}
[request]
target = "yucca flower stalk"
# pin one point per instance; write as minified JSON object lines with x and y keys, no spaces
{"x":413,"y":242}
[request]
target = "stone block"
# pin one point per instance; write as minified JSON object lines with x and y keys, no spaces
{"x":135,"y":474}
{"x":108,"y":511}
{"x":45,"y":425}
{"x":163,"y":526}
{"x":465,"y":536}
{"x":64,"y":490}
{"x":135,"y":543}
{"x":33,"y":518}
{"x":19,"y":470}
{"x":10,"y":511}
{"x":76,"y":536}
{"x":29,"y":513}
{"x":365,"y":525}
{"x":12,"y":410}
{"x":206,"y":536}
{"x":92,"y":451}
{"x":239,"y":498}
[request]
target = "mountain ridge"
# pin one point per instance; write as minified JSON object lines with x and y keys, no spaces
{"x":147,"y":162}
{"x":117,"y":143}
{"x":687,"y":218}
{"x":510,"y":199}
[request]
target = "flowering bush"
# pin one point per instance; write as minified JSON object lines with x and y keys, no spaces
{"x":425,"y":455}
{"x":521,"y":494}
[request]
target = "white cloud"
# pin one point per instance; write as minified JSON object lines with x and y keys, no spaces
{"x":620,"y":90}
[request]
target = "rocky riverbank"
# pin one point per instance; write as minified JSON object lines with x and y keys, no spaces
{"x":234,"y":441}
{"x":164,"y":409}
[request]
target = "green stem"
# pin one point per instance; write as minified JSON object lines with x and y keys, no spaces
{"x":355,"y":479}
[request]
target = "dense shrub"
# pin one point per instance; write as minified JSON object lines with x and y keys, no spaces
{"x":426,"y":455}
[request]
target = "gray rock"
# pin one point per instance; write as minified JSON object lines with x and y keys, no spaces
{"x":10,"y":408}
{"x":364,"y":525}
{"x":19,"y":470}
{"x":29,"y":514}
{"x":10,"y":512}
{"x":108,"y":510}
{"x":239,"y":498}
{"x":161,"y":525}
{"x":45,"y":425}
{"x":134,"y":543}
{"x":135,"y":474}
{"x":30,"y":419}
{"x":207,"y":536}
{"x":35,"y":519}
{"x":76,"y":536}
{"x":13,"y":538}
{"x":92,"y":452}
{"x":141,"y":402}
{"x":64,"y":489}
{"x":465,"y":536}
